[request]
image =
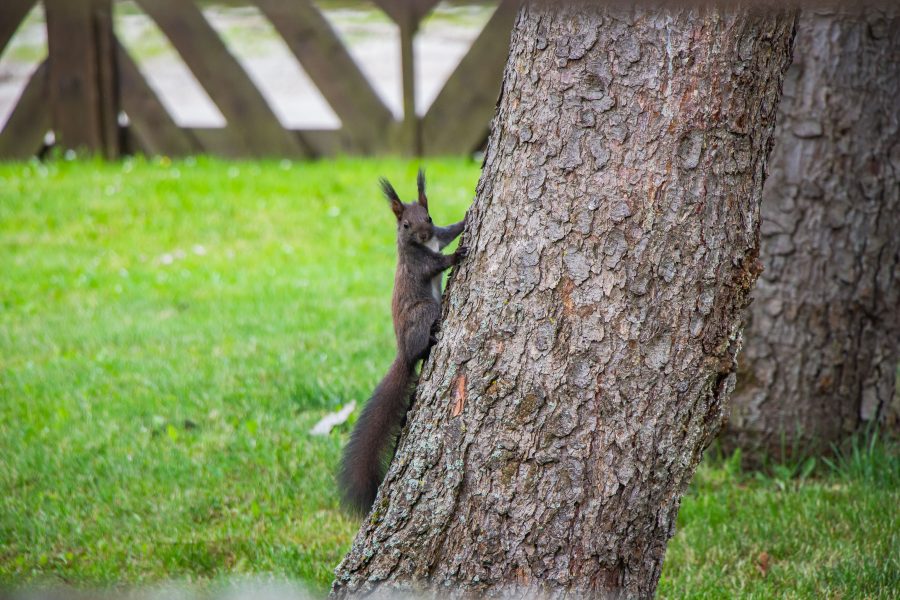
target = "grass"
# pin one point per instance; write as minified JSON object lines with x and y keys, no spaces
{"x":169,"y":332}
{"x":814,"y":530}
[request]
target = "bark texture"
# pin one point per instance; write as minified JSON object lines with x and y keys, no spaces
{"x":589,"y":340}
{"x":821,"y":355}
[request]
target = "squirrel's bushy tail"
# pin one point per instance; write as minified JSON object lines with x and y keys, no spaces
{"x":367,"y":453}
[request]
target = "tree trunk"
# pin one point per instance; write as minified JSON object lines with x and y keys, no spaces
{"x":589,"y":340}
{"x":821,"y":355}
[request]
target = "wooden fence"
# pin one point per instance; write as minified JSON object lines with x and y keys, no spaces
{"x":88,"y":78}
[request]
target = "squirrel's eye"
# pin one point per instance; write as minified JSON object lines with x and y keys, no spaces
{"x":405,"y":225}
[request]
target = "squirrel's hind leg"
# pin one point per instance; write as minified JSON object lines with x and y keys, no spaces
{"x":419,"y":335}
{"x":432,"y":335}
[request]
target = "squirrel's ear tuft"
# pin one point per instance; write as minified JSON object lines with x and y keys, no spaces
{"x":420,"y":182}
{"x":388,"y":189}
{"x":393,"y":198}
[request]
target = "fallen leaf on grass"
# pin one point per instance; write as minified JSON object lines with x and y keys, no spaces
{"x":762,"y":563}
{"x":332,"y":420}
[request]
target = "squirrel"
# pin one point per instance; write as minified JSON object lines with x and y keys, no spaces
{"x":416,"y":311}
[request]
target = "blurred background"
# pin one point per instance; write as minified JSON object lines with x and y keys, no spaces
{"x":251,"y":78}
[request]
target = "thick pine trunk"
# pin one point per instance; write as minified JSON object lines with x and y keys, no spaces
{"x":820,"y":360}
{"x":589,"y":340}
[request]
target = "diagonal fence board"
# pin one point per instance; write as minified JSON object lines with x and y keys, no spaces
{"x":151,"y":125}
{"x":12,"y":13}
{"x":458,"y":119}
{"x":252,"y":124}
{"x":364,"y":117}
{"x":23,"y":135}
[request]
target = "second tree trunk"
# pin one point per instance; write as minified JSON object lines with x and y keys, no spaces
{"x":820,"y":358}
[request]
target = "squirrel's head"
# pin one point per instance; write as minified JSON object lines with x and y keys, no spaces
{"x":413,"y":221}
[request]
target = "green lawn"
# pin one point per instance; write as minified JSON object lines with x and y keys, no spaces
{"x":169,"y":332}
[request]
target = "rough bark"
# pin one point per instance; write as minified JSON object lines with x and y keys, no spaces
{"x":589,"y":340}
{"x":821,"y":355}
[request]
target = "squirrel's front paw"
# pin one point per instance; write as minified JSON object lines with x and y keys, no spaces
{"x":461,"y":253}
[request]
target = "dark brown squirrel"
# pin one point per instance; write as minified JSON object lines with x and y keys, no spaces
{"x":416,"y":310}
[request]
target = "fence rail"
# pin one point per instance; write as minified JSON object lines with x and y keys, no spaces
{"x":89,"y":78}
